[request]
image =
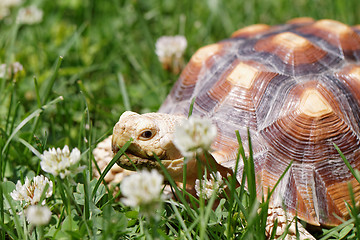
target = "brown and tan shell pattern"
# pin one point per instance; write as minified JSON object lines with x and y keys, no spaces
{"x":297,"y":88}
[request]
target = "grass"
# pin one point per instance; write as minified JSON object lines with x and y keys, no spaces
{"x":86,"y":63}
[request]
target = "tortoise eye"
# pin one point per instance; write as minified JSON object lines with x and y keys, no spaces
{"x":146,"y":135}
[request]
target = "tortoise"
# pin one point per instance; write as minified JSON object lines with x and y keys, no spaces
{"x":295,"y":87}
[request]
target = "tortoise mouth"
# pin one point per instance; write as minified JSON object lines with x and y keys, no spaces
{"x":133,"y":162}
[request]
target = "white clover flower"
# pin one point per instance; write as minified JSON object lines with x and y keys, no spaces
{"x":11,"y":70}
{"x":194,"y":135}
{"x":170,"y":51}
{"x":32,"y":190}
{"x":16,"y":67}
{"x":4,"y":12}
{"x":142,"y":188}
{"x":2,"y":70}
{"x":5,"y":6}
{"x":169,"y":46}
{"x":38,"y":215}
{"x":29,"y":15}
{"x":207,"y":187}
{"x":10,"y":3}
{"x":61,"y":162}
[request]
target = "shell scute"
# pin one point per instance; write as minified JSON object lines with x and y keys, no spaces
{"x":350,"y":77}
{"x":308,"y":137}
{"x":202,"y":60}
{"x":295,"y":55}
{"x":335,"y":179}
{"x":337,"y":36}
{"x":301,"y":21}
{"x":251,"y":31}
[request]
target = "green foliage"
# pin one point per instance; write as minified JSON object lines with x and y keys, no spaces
{"x":86,"y":63}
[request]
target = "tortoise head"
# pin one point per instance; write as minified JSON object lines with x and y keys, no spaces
{"x":151,"y":137}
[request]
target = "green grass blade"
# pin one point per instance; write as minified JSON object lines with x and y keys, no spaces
{"x":330,"y":233}
{"x":252,"y":220}
{"x":43,"y":194}
{"x":242,"y":192}
{"x":28,"y":118}
{"x":251,"y":172}
{"x":354,"y":212}
{"x":177,"y":191}
{"x":51,"y":81}
{"x":84,"y":91}
{"x":9,"y":108}
{"x":8,"y":230}
{"x":184,"y":177}
{"x":62,"y":191}
{"x":72,"y":40}
{"x":87,"y":196}
{"x":15,"y":217}
{"x":353,"y":172}
{"x":241,"y":152}
{"x":180,"y":219}
{"x":30,"y":147}
{"x":83,"y":133}
{"x":124,"y":94}
{"x":191,"y":107}
{"x":109,"y":166}
{"x":278,"y":181}
{"x":9,"y":53}
{"x":2,"y":203}
{"x":38,"y":98}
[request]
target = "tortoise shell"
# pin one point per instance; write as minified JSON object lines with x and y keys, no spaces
{"x":296,"y":87}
